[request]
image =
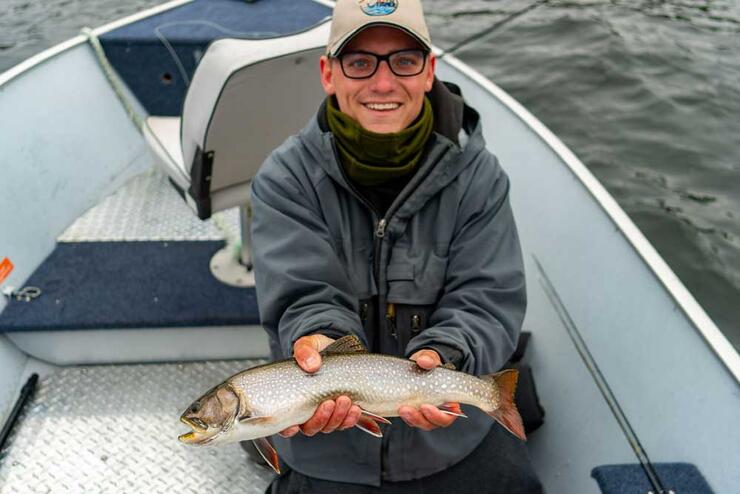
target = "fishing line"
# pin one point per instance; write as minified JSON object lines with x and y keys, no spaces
{"x":600,"y":381}
{"x":492,"y":28}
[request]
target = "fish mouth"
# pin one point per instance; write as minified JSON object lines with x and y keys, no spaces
{"x":196,"y":424}
{"x":200,"y":435}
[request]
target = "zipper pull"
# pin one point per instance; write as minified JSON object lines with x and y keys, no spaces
{"x":390,"y":316}
{"x":415,"y":323}
{"x":380,"y":231}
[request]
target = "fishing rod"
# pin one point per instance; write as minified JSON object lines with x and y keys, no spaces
{"x":26,"y":393}
{"x":601,"y":382}
{"x":495,"y":26}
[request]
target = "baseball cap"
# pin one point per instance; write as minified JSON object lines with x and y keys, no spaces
{"x":352,"y":16}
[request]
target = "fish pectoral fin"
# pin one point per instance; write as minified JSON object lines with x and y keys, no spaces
{"x":368,"y":422}
{"x":452,"y":409}
{"x":346,"y":344}
{"x":267,"y":452}
{"x":252,"y":420}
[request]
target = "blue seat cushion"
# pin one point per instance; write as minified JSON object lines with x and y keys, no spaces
{"x":681,"y":478}
{"x":115,"y":285}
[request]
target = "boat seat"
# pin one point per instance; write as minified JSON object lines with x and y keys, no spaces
{"x":163,"y":136}
{"x":245,"y":98}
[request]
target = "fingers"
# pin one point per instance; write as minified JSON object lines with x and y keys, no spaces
{"x":427,"y":358}
{"x":328,"y":417}
{"x":414,"y":418}
{"x":427,"y":417}
{"x":290,"y":431}
{"x":319,"y":419}
{"x":341,"y":409}
{"x":352,"y":418}
{"x":436,"y":417}
{"x":306,"y":351}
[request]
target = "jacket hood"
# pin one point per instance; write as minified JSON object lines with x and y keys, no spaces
{"x":455,"y":142}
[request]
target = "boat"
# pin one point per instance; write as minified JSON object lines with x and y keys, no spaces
{"x":124,"y":264}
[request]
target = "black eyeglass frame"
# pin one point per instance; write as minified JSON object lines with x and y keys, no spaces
{"x":381,"y":58}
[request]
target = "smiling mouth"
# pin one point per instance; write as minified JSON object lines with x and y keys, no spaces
{"x":383,"y":106}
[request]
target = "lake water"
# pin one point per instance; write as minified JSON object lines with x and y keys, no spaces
{"x":645,"y":92}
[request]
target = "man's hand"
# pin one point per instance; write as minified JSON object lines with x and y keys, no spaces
{"x":306,"y":351}
{"x":427,"y":417}
{"x":331,"y":414}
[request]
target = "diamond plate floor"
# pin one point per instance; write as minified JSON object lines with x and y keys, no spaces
{"x":113,"y":429}
{"x":147,"y":207}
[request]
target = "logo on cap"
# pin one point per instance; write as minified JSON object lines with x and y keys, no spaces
{"x":378,"y":7}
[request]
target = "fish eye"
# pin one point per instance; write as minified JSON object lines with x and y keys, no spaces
{"x":195,"y":407}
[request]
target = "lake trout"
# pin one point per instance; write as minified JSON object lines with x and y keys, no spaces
{"x":266,"y":399}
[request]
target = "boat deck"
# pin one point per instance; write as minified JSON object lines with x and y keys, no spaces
{"x":114,"y":428}
{"x":137,"y":263}
{"x":147,"y":208}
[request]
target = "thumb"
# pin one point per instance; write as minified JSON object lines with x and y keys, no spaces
{"x":306,"y":351}
{"x":427,"y":358}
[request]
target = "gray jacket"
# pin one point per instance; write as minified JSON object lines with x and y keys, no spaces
{"x":446,"y":255}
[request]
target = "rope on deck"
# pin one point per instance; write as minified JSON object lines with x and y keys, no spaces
{"x":113,"y":79}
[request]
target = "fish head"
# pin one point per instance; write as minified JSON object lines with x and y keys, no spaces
{"x":210,"y":416}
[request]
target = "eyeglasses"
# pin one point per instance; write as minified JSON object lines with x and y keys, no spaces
{"x":403,"y":63}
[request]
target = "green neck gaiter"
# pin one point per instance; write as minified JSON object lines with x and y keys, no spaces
{"x":370,"y":158}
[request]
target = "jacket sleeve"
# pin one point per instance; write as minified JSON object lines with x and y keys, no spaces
{"x":482,"y":306}
{"x":302,"y":287}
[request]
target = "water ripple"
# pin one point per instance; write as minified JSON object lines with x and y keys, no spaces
{"x":646,"y":94}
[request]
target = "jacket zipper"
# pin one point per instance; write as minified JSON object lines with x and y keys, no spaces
{"x":379,"y":232}
{"x":379,"y":235}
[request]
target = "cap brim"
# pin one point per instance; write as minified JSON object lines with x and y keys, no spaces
{"x":348,"y":37}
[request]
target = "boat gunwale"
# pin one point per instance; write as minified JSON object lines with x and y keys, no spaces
{"x":716,"y":340}
{"x":41,"y":57}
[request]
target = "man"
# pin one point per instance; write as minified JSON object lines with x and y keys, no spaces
{"x":387,"y":218}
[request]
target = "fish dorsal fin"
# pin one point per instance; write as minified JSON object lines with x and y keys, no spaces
{"x":346,"y":344}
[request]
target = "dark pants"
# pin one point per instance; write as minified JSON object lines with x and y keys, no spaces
{"x":500,"y":464}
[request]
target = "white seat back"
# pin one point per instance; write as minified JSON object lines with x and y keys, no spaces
{"x":246,"y":97}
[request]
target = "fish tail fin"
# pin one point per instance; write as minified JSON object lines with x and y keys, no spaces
{"x":506,"y":413}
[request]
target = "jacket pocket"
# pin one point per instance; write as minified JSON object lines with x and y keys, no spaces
{"x":357,"y":263}
{"x":415,"y":285}
{"x":410,"y":320}
{"x":415,"y":279}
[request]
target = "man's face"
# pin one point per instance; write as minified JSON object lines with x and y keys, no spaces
{"x":384,"y":102}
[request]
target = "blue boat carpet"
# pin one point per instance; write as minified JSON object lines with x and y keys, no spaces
{"x":140,"y":56}
{"x":99,"y":285}
{"x":681,"y":478}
